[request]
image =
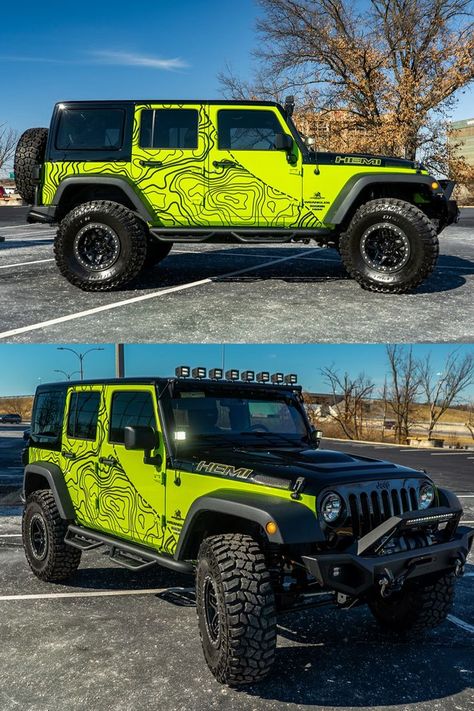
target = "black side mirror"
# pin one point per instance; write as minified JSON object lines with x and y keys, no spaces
{"x":315,"y":437}
{"x":143,"y":439}
{"x":283,"y":142}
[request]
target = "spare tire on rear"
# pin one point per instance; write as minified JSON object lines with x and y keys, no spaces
{"x":30,"y":151}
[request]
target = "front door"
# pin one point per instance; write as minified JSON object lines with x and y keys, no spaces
{"x":132,"y":493}
{"x":82,"y":440}
{"x":169,"y":158}
{"x":250,"y":183}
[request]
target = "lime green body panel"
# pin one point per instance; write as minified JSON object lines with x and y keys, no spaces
{"x":138,"y":502}
{"x":262,"y":189}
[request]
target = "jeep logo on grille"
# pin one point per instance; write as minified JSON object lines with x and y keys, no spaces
{"x":383,"y":485}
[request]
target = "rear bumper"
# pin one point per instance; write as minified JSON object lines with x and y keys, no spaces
{"x":355,"y":574}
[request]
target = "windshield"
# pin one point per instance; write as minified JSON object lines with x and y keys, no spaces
{"x":199,"y":419}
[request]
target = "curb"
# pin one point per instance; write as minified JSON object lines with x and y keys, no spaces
{"x":398,"y":446}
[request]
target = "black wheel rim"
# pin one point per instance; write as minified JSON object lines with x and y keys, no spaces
{"x":96,"y":246}
{"x":385,"y":247}
{"x":38,"y":537}
{"x":211,"y":611}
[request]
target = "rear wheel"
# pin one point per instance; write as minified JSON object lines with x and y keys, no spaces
{"x":236,"y":609}
{"x":43,"y":531}
{"x":390,"y":246}
{"x":29,"y":155}
{"x":100,"y":245}
{"x":420,"y":605}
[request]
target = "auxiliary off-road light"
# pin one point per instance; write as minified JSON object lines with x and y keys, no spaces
{"x":271,"y":528}
{"x":232,"y":375}
{"x":263,"y":377}
{"x":216,"y":374}
{"x":434,"y":185}
{"x":199,"y":373}
{"x":331,"y":507}
{"x":247,"y":376}
{"x":291,"y":379}
{"x":426,"y":496}
{"x":277,"y":378}
{"x":183,"y":371}
{"x":179,"y":436}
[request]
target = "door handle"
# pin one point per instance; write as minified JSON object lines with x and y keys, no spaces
{"x":68,"y":455}
{"x":224,"y":164}
{"x":151,"y":163}
{"x":109,"y":461}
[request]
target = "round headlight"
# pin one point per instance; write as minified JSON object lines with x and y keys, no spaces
{"x":331,"y":507}
{"x":426,"y":496}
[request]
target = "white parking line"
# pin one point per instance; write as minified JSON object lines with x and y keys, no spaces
{"x":10,"y":535}
{"x":447,"y":454}
{"x":98,"y":593}
{"x":460,"y":623}
{"x":145,"y":297}
{"x":24,"y":264}
{"x":465,"y":496}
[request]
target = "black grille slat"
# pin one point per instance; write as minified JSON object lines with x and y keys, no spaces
{"x":369,"y":508}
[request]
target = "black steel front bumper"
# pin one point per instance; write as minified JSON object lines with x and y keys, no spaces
{"x":363,"y":567}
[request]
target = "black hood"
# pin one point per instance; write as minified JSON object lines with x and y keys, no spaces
{"x":282,"y":467}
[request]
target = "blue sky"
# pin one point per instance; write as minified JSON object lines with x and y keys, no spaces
{"x":50,"y":51}
{"x":23,"y":367}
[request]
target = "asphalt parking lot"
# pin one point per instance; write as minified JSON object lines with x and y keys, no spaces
{"x":129,"y":641}
{"x":216,"y":293}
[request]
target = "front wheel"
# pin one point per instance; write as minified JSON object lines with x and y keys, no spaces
{"x":390,"y":246}
{"x":421,"y":605}
{"x":100,"y":245}
{"x":236,"y":609}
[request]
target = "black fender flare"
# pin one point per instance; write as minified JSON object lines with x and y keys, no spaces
{"x":296,"y":523}
{"x":448,"y":498}
{"x":55,"y":479}
{"x":354,"y":186}
{"x":117,"y":182}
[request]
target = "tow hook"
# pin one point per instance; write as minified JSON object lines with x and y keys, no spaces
{"x":459,"y":564}
{"x":389,"y":583}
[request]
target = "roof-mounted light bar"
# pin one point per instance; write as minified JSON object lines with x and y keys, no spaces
{"x":234,"y":375}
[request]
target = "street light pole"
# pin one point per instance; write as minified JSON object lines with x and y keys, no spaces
{"x":79,"y":355}
{"x":68,"y":375}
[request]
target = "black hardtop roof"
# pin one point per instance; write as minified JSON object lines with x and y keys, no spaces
{"x":240,"y":102}
{"x":153,"y":380}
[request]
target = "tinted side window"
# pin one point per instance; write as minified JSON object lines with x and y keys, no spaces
{"x":47,"y":419}
{"x":247,"y":130}
{"x":83,"y":415}
{"x":169,"y":128}
{"x":129,"y":409}
{"x":92,"y":129}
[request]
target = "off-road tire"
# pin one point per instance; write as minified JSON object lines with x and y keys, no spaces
{"x":414,"y":224}
{"x":129,"y":232}
{"x":59,"y":561}
{"x":29,"y":155}
{"x":156,"y":251}
{"x":421,"y":605}
{"x":234,"y":567}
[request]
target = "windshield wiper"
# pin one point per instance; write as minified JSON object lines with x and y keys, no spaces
{"x":270,"y":437}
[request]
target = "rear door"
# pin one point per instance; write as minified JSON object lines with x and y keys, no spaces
{"x":81,"y":445}
{"x":169,"y":159}
{"x":250,"y":182}
{"x":132,"y":493}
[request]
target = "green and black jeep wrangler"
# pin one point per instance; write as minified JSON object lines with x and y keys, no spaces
{"x":125,"y":180}
{"x":224,"y":478}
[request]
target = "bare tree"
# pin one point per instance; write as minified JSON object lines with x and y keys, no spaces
{"x":470,"y":422}
{"x":388,"y":71}
{"x":8,"y":141}
{"x":442,"y":389}
{"x":403,"y":388}
{"x":350,"y":397}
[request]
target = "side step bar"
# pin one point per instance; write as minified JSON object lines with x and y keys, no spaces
{"x":265,"y":235}
{"x":129,"y":555}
